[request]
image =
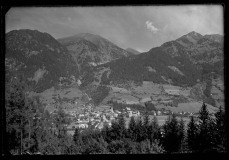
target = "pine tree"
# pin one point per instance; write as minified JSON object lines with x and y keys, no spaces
{"x":171,"y":140}
{"x":60,"y":122}
{"x":192,"y":132}
{"x":205,"y":129}
{"x":220,"y":131}
{"x":15,"y":105}
{"x":122,"y":126}
{"x":155,"y":130}
{"x":146,"y":126}
{"x":131,"y":128}
{"x":139,"y":131}
{"x":204,"y":115}
{"x":76,"y":136}
{"x":146,"y":120}
{"x":182,"y":135}
{"x":106,"y":133}
{"x":114,"y":131}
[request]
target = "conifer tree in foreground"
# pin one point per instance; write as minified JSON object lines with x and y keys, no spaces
{"x":171,"y":139}
{"x":220,"y":131}
{"x":122,"y":126}
{"x":182,"y":135}
{"x":204,"y":137}
{"x":192,"y":132}
{"x":131,"y":128}
{"x":76,"y":136}
{"x":146,"y":126}
{"x":139,"y":131}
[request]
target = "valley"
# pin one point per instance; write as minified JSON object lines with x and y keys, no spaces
{"x":89,"y":68}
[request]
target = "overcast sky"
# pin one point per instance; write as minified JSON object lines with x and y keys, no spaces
{"x":140,"y":28}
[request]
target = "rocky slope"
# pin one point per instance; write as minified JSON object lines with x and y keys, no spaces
{"x":40,"y":58}
{"x":187,"y":61}
{"x":201,"y":50}
{"x":92,"y":50}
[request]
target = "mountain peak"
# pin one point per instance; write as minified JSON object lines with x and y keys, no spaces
{"x":194,"y":35}
{"x":190,"y":38}
{"x":29,"y":39}
{"x":83,"y":36}
{"x":92,"y":49}
{"x":40,"y":57}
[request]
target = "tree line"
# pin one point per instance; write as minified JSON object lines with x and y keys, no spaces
{"x":30,"y":128}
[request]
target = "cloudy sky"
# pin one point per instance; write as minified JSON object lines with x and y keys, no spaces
{"x":140,"y":28}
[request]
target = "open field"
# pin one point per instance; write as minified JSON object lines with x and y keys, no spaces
{"x":162,"y":96}
{"x":49,"y":96}
{"x":148,"y":88}
{"x":149,"y":91}
{"x":193,"y":107}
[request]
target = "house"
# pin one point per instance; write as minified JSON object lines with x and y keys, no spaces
{"x":154,"y":113}
{"x":158,"y":113}
{"x":115,"y":115}
{"x":99,"y":125}
{"x":83,"y":125}
{"x":112,"y":118}
{"x":104,"y":119}
{"x":91,"y":119}
{"x":118,"y":112}
{"x":129,"y":113}
{"x":81,"y":115}
{"x":135,"y":113}
{"x":72,"y":126}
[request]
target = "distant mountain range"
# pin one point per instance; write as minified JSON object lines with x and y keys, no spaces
{"x":95,"y":61}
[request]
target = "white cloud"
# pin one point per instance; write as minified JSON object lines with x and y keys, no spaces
{"x":151,"y":27}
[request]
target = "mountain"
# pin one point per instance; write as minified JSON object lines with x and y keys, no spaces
{"x":204,"y":51}
{"x":156,"y":66}
{"x":92,"y":50}
{"x":42,"y":60}
{"x":92,"y":65}
{"x":133,"y":51}
{"x":183,"y":61}
{"x":200,"y":49}
{"x":215,"y":37}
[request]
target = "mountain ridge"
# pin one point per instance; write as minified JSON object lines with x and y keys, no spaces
{"x":96,"y":64}
{"x":39,"y":57}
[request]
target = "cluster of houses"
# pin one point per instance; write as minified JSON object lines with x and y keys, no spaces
{"x":96,"y":119}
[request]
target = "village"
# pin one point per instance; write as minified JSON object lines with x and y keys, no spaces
{"x":97,"y":117}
